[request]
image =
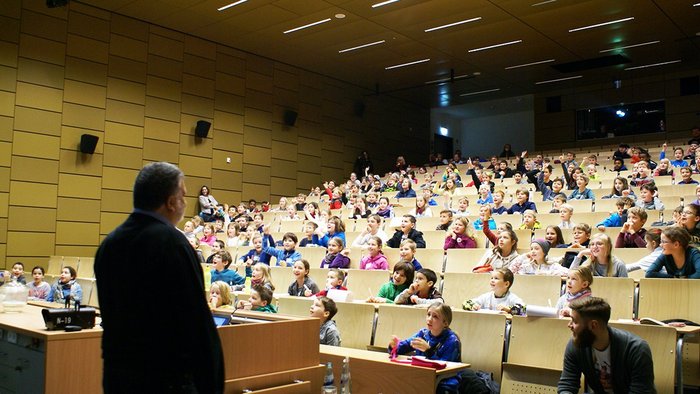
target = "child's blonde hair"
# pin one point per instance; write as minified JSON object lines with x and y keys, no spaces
{"x":463,"y":198}
{"x":468,"y":230}
{"x":224,"y":292}
{"x":267,"y":274}
{"x":584,"y":274}
{"x":568,"y":207}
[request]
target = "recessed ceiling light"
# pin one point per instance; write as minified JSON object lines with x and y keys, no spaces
{"x":480,"y":92}
{"x":530,"y":64}
{"x":558,"y":80}
{"x":383,"y":3}
{"x":601,"y":24}
{"x":407,"y":64}
{"x":235,"y":3}
{"x":309,"y":25}
{"x":452,"y":24}
{"x":495,"y":46}
{"x":340,"y":16}
{"x":630,"y":46}
{"x":542,"y":3}
{"x":362,"y":46}
{"x":653,"y":65}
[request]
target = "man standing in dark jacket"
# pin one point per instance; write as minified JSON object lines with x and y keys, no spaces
{"x":612,"y":360}
{"x":153,"y":343}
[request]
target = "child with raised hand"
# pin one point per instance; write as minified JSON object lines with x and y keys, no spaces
{"x":407,"y":253}
{"x":485,"y":217}
{"x":535,"y":262}
{"x":530,"y":221}
{"x":435,"y":342}
{"x":499,"y":298}
{"x":566,"y":211}
{"x":220,"y":271}
{"x":497,"y":208}
{"x":461,"y":237}
{"x":324,"y":308}
{"x":373,"y":229}
{"x":260,"y":300}
{"x":256,"y":254}
{"x":578,"y":287}
{"x":522,"y":202}
{"x":502,"y":254}
{"x":649,"y":197}
{"x":209,"y":235}
{"x":38,"y":289}
{"x":616,"y":219}
{"x":677,"y":156}
{"x":336,"y":257}
{"x":220,"y":295}
{"x":302,"y":286}
{"x":423,"y":290}
{"x":445,"y":220}
{"x":401,"y":277}
{"x":582,"y":192}
{"x":288,"y":255}
{"x":66,"y":286}
{"x":375,"y":259}
{"x":334,"y":281}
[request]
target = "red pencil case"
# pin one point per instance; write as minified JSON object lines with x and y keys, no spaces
{"x":422,"y":362}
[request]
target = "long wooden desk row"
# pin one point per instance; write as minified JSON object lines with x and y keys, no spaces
{"x":488,"y":340}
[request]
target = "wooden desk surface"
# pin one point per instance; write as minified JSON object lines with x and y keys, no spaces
{"x":30,"y":322}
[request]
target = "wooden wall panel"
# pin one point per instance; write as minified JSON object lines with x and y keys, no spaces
{"x":33,"y":194}
{"x":80,"y":209}
{"x":37,"y":121}
{"x":31,"y":219}
{"x":35,"y":145}
{"x":79,"y":186}
{"x":38,"y":170}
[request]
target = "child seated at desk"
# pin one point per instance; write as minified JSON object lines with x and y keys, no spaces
{"x":260,"y":300}
{"x":335,"y":258}
{"x":375,"y":259}
{"x":435,"y":342}
{"x":288,"y":255}
{"x":499,"y":298}
{"x":221,"y":273}
{"x":324,"y":308}
{"x":309,"y":230}
{"x":66,"y":286}
{"x":401,"y":277}
{"x":422,"y":290}
{"x":220,"y":295}
{"x":259,"y":275}
{"x":578,"y":287}
{"x":18,"y":273}
{"x":407,"y":253}
{"x":334,"y":280}
{"x":256,"y":255}
{"x":38,"y":289}
{"x":303,"y":286}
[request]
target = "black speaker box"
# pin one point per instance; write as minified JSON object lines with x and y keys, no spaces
{"x":554,"y":104}
{"x":202,"y":129}
{"x":290,"y":117}
{"x":690,"y":85}
{"x":88,"y":143}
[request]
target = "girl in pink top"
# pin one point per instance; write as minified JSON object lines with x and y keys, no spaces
{"x":209,"y":237}
{"x":375,"y":259}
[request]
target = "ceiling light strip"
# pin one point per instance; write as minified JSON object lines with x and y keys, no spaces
{"x":495,"y":46}
{"x":307,"y":26}
{"x":383,"y":3}
{"x":542,"y":3}
{"x":407,"y":64}
{"x":362,"y":46}
{"x":601,"y":24}
{"x":530,"y":64}
{"x":479,"y":92}
{"x":235,"y":3}
{"x":630,"y":46}
{"x":653,"y":65}
{"x":447,"y":79}
{"x":696,"y":5}
{"x":452,"y":24}
{"x":558,"y":80}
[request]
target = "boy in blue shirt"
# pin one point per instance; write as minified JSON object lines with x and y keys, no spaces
{"x":222,"y":261}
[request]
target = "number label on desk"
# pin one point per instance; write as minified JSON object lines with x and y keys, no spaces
{"x":12,"y":337}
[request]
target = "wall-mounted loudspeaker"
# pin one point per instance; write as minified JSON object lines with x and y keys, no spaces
{"x":554,"y":104}
{"x":202,"y":129}
{"x":690,"y":85}
{"x":88,"y":143}
{"x":290,"y":117}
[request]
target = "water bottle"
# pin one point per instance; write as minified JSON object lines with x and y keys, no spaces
{"x":345,"y":377}
{"x":328,"y":380}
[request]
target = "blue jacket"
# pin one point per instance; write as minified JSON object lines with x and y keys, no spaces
{"x":405,"y":194}
{"x":517,"y":208}
{"x":262,"y":257}
{"x":227,"y":276}
{"x":614,"y":220}
{"x":444,"y":347}
{"x":323,"y":241}
{"x":478,"y":224}
{"x":587,"y":194}
{"x":499,"y":211}
{"x":59,"y":291}
{"x":285,"y":258}
{"x":690,"y":268}
{"x":674,"y":163}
